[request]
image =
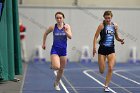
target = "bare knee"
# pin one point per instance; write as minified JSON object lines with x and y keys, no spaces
{"x":110,"y":69}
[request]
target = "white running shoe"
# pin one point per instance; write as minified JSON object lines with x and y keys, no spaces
{"x":106,"y":89}
{"x":56,"y":86}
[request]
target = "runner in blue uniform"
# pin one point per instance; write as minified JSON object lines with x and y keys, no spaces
{"x":107,"y":31}
{"x":61,"y":32}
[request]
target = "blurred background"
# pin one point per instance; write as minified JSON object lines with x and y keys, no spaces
{"x":23,"y":23}
{"x":84,"y":16}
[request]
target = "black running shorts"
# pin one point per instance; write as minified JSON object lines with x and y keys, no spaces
{"x":103,"y":50}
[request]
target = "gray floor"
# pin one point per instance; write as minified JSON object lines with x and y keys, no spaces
{"x":12,"y":86}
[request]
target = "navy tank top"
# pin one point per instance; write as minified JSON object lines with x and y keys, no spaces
{"x":107,"y":35}
{"x":59,"y":37}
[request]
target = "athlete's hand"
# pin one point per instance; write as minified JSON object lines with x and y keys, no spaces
{"x":65,"y":27}
{"x":122,"y":41}
{"x":43,"y":46}
{"x":94,"y":52}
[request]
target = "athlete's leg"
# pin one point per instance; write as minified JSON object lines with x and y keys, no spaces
{"x":55,"y":62}
{"x":24,"y":50}
{"x":63,"y":61}
{"x":101,"y":62}
{"x":111,"y":62}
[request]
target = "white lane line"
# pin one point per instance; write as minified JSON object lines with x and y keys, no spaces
{"x":24,"y":75}
{"x":85,"y":72}
{"x":115,"y":72}
{"x":64,"y":87}
{"x":137,"y":76}
{"x":102,"y":87}
{"x":71,"y":69}
{"x":75,"y":91}
{"x":112,"y":82}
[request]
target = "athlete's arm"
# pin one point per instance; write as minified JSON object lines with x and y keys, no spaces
{"x":49,"y":30}
{"x":67,"y":30}
{"x":99,"y":29}
{"x":117,"y":36}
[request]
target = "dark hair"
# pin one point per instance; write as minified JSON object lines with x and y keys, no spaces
{"x":60,"y":14}
{"x":108,"y":13}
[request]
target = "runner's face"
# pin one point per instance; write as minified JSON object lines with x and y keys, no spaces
{"x":59,"y":18}
{"x":107,"y":18}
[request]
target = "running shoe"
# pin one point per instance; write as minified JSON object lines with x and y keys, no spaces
{"x":56,"y":86}
{"x":106,"y":89}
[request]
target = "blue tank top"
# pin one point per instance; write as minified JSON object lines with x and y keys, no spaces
{"x":107,"y":35}
{"x":59,"y":37}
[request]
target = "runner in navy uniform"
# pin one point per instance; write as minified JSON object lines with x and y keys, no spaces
{"x":107,"y":30}
{"x":61,"y":32}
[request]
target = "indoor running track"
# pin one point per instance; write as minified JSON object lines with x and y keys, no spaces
{"x":81,"y":78}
